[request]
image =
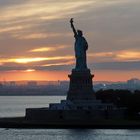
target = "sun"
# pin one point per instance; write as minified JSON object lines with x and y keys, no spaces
{"x":29,"y":70}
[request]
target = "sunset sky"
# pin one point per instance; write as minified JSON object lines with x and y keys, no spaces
{"x":36,"y":41}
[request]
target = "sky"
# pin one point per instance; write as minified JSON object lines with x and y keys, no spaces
{"x":37,"y":43}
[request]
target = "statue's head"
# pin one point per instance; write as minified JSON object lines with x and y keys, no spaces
{"x":80,"y":33}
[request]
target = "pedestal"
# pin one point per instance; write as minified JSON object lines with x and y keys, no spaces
{"x":81,"y":87}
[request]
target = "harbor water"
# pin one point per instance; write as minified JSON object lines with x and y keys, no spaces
{"x":15,"y":106}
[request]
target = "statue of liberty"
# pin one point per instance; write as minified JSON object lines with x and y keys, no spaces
{"x":80,"y":47}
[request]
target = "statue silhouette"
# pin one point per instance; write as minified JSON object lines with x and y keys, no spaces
{"x":80,"y":48}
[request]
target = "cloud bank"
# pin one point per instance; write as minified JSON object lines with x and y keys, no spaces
{"x":38,"y":33}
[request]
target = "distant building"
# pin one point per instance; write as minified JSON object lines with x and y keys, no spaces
{"x":32,"y":83}
{"x":132,"y":84}
{"x":133,"y":81}
{"x":1,"y":85}
{"x":64,"y":84}
{"x":12,"y":83}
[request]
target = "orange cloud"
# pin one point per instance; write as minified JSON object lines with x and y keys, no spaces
{"x":59,"y":64}
{"x":36,"y":59}
{"x":45,"y":49}
{"x":8,"y":29}
{"x":37,"y":35}
{"x":101,"y":54}
{"x":124,"y":55}
{"x":42,"y":8}
{"x":34,"y":36}
{"x":128,"y":55}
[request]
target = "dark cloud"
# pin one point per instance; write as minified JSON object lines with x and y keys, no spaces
{"x":10,"y":3}
{"x":125,"y":66}
{"x":113,"y":27}
{"x":109,"y":26}
{"x":122,"y":66}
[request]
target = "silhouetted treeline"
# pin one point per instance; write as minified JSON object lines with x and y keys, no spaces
{"x":122,"y":98}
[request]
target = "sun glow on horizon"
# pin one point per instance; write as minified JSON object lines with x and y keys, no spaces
{"x":30,"y":70}
{"x":63,"y":75}
{"x":34,"y":75}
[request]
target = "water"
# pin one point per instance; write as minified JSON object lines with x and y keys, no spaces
{"x":15,"y":106}
{"x":68,"y":134}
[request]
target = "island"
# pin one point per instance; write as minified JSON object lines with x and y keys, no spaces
{"x":81,"y":108}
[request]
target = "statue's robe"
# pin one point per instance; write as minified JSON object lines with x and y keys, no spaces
{"x":81,"y":46}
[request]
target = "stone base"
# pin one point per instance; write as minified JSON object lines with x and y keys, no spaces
{"x":81,"y":87}
{"x":47,"y":115}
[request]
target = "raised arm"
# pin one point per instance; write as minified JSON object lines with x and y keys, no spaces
{"x":73,"y":28}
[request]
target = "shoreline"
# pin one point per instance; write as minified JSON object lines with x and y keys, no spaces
{"x":35,"y":95}
{"x":22,"y":123}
